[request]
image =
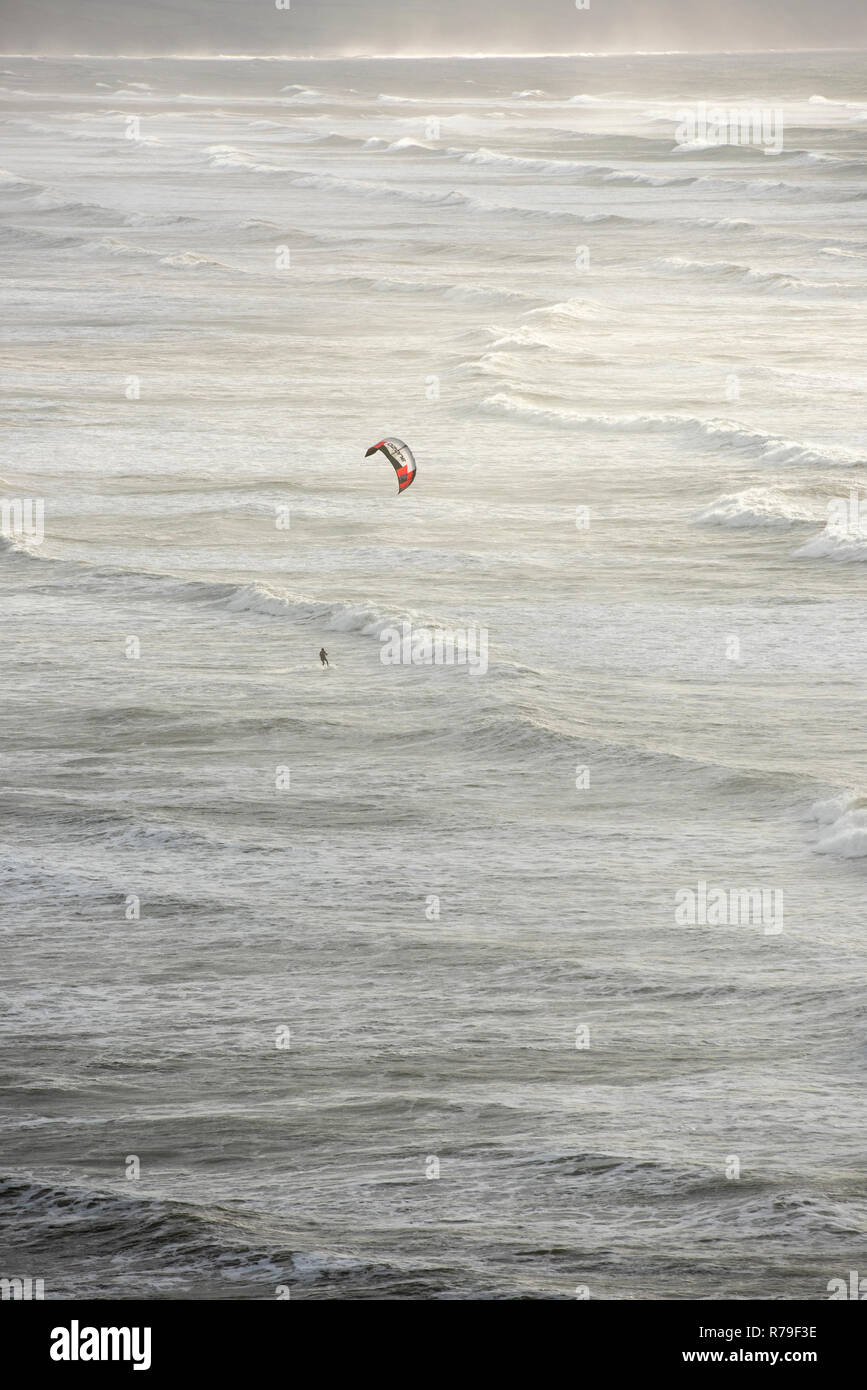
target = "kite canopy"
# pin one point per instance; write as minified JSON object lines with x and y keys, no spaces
{"x":400,"y":457}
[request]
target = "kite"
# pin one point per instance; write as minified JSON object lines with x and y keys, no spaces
{"x":400,"y":456}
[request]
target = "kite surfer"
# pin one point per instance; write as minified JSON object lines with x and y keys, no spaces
{"x":323,"y":656}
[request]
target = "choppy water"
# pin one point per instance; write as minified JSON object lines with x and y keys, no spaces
{"x":211,"y":320}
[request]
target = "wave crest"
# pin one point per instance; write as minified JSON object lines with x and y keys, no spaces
{"x":842,"y":826}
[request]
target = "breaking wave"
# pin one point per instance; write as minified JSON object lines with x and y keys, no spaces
{"x":757,"y":509}
{"x":846,"y":547}
{"x":841,"y":825}
{"x":717,"y":434}
{"x":750,"y":277}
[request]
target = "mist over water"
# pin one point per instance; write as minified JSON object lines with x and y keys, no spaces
{"x":346,"y":28}
{"x":377,"y":969}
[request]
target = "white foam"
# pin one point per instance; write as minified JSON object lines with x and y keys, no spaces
{"x":757,"y":508}
{"x":842,"y":822}
{"x":366,"y":619}
{"x":718,"y":434}
{"x":751,"y":277}
{"x":190,"y":260}
{"x":846,"y":547}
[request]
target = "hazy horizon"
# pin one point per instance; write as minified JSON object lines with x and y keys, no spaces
{"x":468,"y":55}
{"x":388,"y":28}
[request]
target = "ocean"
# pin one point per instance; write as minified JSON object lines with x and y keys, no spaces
{"x":539,"y":979}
